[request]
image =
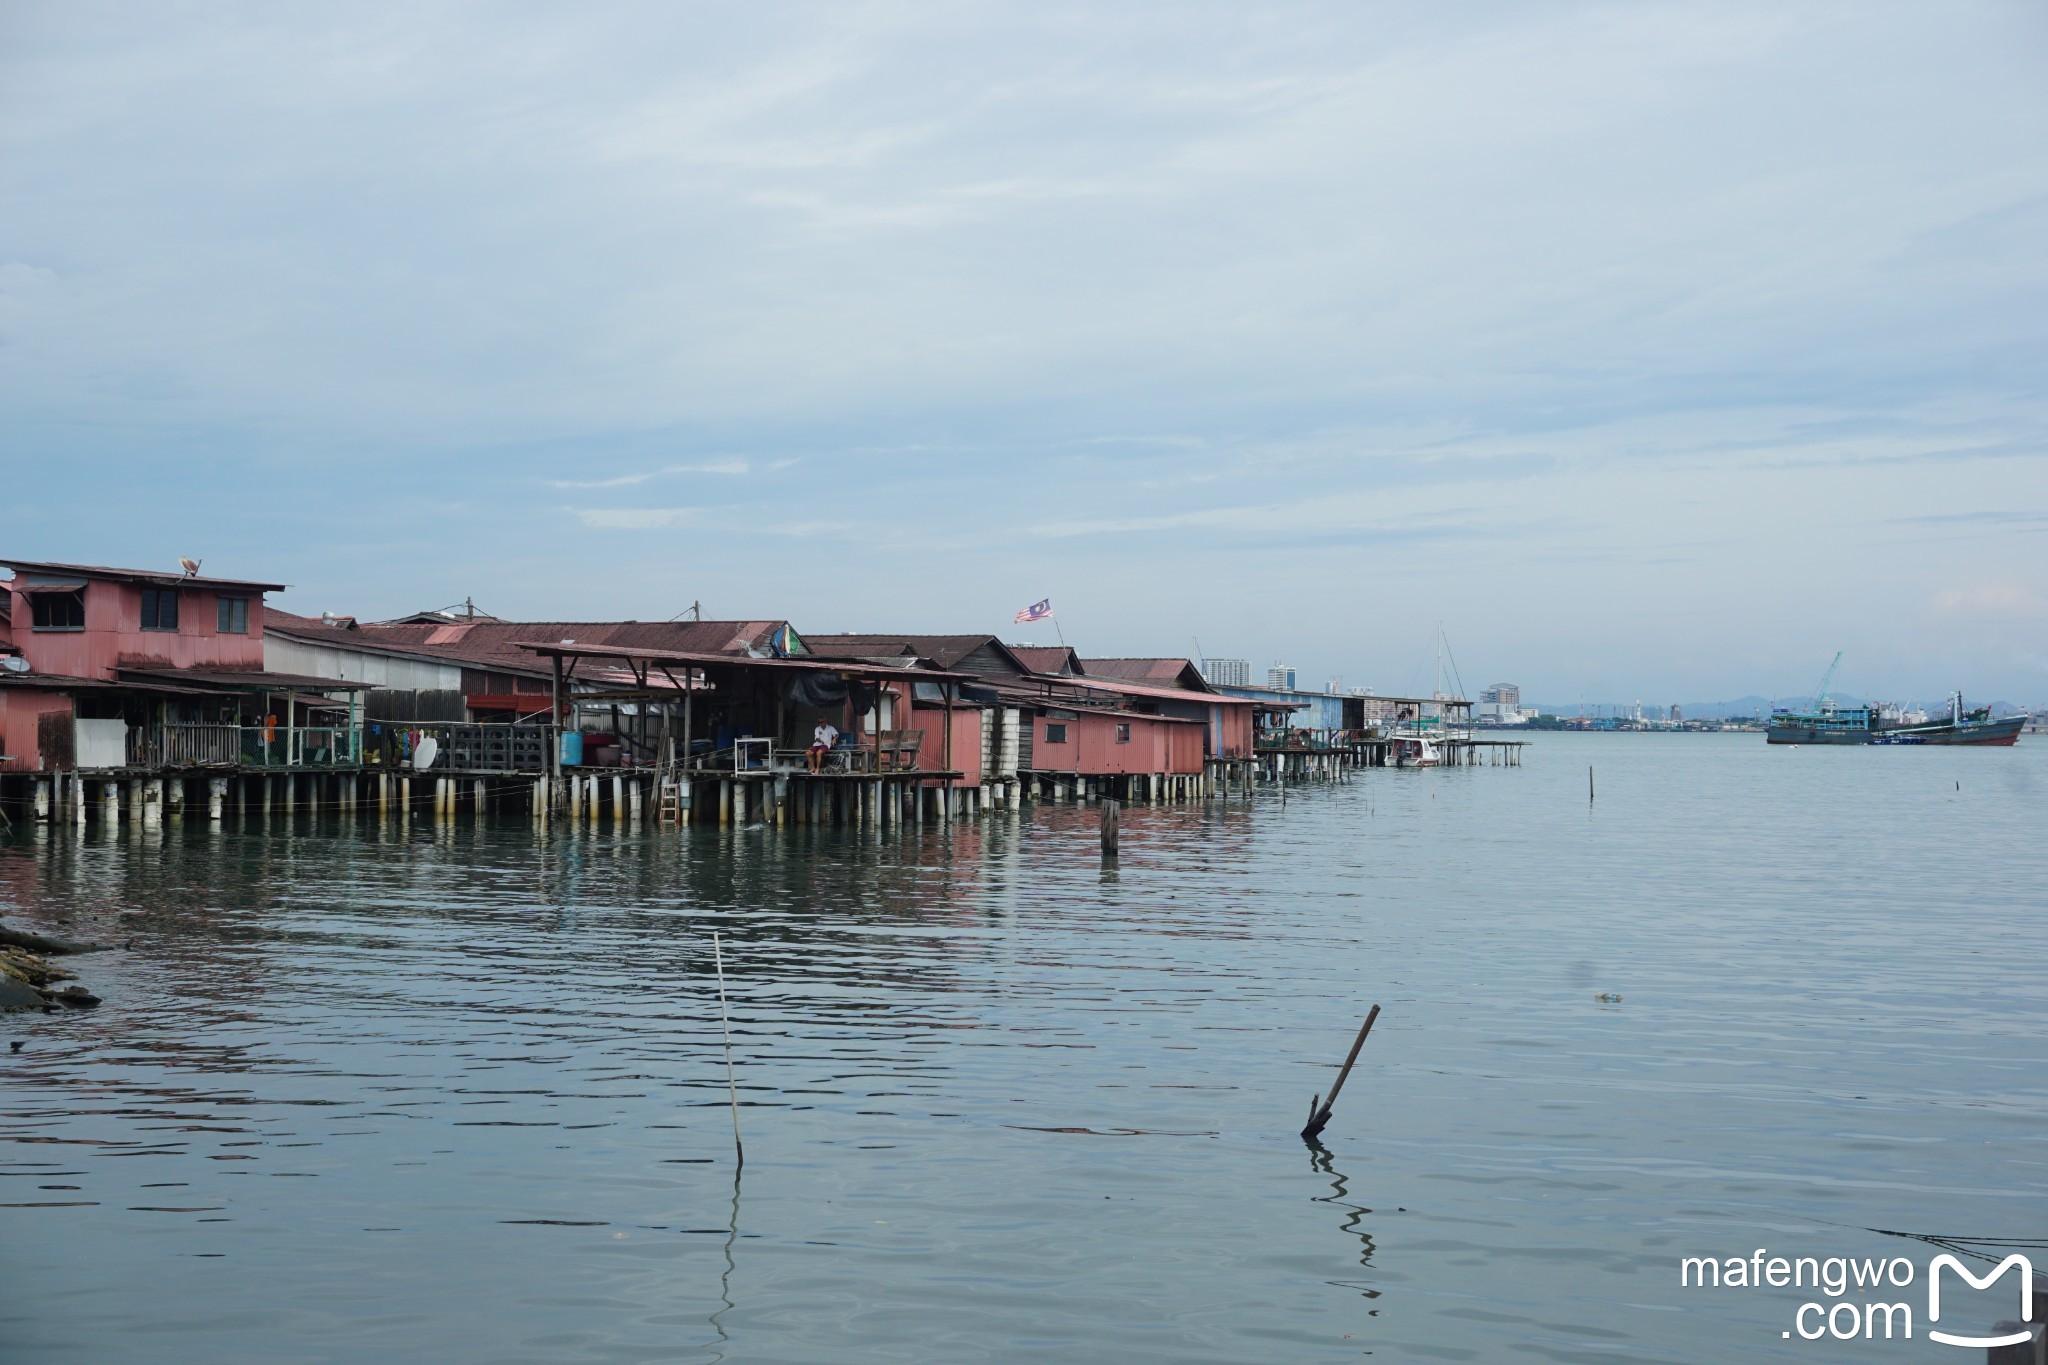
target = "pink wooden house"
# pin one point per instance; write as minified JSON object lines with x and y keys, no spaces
{"x":106,"y":668}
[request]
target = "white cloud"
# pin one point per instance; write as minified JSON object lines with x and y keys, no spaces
{"x":637,"y":518}
{"x":1562,"y":286}
{"x":626,"y":480}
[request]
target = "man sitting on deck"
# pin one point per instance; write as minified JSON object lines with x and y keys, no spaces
{"x":822,"y":740}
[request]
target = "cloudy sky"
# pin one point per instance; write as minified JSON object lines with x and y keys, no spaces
{"x":1655,"y":351}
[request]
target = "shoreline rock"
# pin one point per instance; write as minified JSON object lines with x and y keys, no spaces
{"x":28,"y":980}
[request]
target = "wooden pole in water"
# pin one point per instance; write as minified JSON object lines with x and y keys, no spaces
{"x":732,"y":1089}
{"x":1589,"y":784}
{"x":1110,"y":809}
{"x":1319,"y":1118}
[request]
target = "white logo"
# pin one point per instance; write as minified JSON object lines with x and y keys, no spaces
{"x":2026,"y":1268}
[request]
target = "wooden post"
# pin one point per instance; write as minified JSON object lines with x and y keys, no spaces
{"x":946,"y":759}
{"x":555,"y":725}
{"x":1110,"y":809}
{"x":1319,"y":1117}
{"x":1589,"y":784}
{"x":875,"y":763}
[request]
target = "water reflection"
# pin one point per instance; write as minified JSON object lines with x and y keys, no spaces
{"x":456,"y":1092}
{"x":1324,"y":1162}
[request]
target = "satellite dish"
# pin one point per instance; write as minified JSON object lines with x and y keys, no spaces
{"x":424,"y":756}
{"x":14,"y":663}
{"x":188,"y":564}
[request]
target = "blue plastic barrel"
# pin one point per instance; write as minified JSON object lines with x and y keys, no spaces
{"x":572,"y":748}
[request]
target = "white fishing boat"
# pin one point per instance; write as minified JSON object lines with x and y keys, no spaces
{"x":1420,"y":750}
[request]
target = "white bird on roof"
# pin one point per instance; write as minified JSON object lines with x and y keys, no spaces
{"x":188,"y":564}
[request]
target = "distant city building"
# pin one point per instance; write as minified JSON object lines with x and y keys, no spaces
{"x":1675,"y":716}
{"x":1500,"y":704}
{"x":1336,"y":687}
{"x":1280,"y":676}
{"x":1228,"y":672}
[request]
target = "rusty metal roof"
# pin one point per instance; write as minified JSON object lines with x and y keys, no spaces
{"x":1047,"y":658}
{"x":282,"y":682}
{"x":489,"y":643}
{"x":584,"y":650}
{"x":177,"y":578}
{"x":1180,"y":673}
{"x":944,"y":650}
{"x":1128,"y":689}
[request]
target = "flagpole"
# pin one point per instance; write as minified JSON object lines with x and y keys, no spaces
{"x":1056,"y":629}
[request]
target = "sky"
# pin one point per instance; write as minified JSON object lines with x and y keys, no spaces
{"x":1651,"y":351}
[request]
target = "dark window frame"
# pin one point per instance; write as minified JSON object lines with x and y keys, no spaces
{"x":1123,"y":732}
{"x":40,"y":614}
{"x":1055,"y":732}
{"x":154,"y":600}
{"x":231,"y":615}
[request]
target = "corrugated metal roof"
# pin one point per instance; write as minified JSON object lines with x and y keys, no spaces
{"x":1129,"y":689}
{"x":947,"y":651}
{"x":282,"y":681}
{"x":1180,"y":673}
{"x":1047,"y":658}
{"x":582,"y":649}
{"x":500,"y":644}
{"x":175,"y":578}
{"x":315,"y":631}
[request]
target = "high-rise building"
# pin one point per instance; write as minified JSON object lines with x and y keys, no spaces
{"x":1228,"y":672}
{"x":1280,"y":677}
{"x":1503,"y":694}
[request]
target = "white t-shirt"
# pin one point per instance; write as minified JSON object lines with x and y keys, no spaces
{"x":825,"y":735}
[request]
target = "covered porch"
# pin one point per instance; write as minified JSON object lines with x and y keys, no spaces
{"x":727,"y":739}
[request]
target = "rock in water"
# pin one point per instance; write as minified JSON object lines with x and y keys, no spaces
{"x":18,"y":995}
{"x":77,"y":997}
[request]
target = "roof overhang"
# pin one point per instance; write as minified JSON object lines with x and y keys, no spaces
{"x":243,"y":682}
{"x":149,"y":576}
{"x":693,"y":659}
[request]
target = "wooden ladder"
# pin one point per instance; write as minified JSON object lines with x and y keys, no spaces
{"x":670,"y":811}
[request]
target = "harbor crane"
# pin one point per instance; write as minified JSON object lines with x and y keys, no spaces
{"x":1827,"y":680}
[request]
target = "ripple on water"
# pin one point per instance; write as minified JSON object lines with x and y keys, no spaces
{"x":463,"y":1095}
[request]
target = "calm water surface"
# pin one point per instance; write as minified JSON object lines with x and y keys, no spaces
{"x":459,"y":1096}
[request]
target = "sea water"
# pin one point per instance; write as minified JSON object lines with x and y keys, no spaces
{"x":459,"y":1094}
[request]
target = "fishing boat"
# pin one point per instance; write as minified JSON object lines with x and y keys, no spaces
{"x":1829,"y":722}
{"x":1417,"y":749}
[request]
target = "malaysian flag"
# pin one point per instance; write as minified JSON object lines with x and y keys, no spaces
{"x":1037,"y":611}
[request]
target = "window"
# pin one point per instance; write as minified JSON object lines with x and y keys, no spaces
{"x":57,"y":610}
{"x":159,"y":608}
{"x":1123,"y":733}
{"x":1055,"y":734}
{"x":234,"y":616}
